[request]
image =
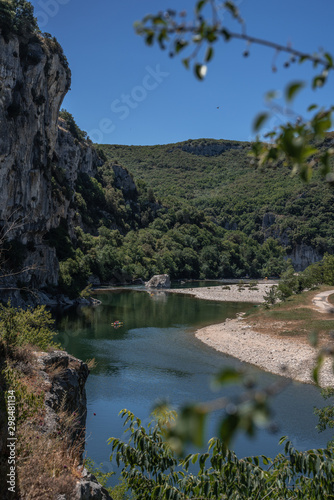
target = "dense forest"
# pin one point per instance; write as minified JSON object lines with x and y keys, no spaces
{"x":220,"y":178}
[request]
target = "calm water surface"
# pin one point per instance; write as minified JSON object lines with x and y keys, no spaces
{"x":155,"y":356}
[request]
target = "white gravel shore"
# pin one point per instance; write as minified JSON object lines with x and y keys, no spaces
{"x":286,"y":357}
{"x":235,"y":293}
{"x":283,"y":356}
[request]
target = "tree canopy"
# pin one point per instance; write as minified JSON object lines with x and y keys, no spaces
{"x":17,"y":16}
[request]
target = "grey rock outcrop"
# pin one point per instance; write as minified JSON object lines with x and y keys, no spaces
{"x":66,"y":376}
{"x":40,"y":160}
{"x":211,"y":147}
{"x":159,"y":281}
{"x":88,"y":488}
{"x":34,"y":80}
{"x":123,"y":180}
{"x":303,"y":255}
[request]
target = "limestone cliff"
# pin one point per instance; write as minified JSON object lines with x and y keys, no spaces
{"x":39,"y":159}
{"x":65,"y":376}
{"x":34,"y":80}
{"x":301,"y":254}
{"x":50,"y":181}
{"x":210,"y":147}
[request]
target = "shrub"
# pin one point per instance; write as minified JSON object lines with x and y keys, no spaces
{"x":270,"y":297}
{"x":72,"y":126}
{"x":20,"y":327}
{"x":152,"y":470}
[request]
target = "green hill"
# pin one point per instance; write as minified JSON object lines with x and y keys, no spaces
{"x":219,"y":178}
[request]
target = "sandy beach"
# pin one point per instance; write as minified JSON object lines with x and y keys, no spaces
{"x":286,"y":356}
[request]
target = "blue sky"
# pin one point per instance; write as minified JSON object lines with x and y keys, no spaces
{"x":109,"y":62}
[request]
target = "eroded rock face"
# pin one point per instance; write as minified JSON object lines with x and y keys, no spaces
{"x":211,"y":147}
{"x":159,"y":281}
{"x":302,"y":256}
{"x":39,"y":160}
{"x":124,"y":180}
{"x":33,"y":81}
{"x":66,"y":376}
{"x":88,"y":488}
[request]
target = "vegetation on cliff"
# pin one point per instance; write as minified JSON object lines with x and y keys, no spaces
{"x":17,"y":16}
{"x":201,"y":210}
{"x":44,"y":461}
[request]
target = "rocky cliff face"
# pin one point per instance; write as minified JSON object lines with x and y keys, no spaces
{"x":66,"y":376}
{"x":124,"y":181}
{"x":301,"y":255}
{"x":211,"y":147}
{"x":39,"y":159}
{"x":67,"y":388}
{"x":34,"y":81}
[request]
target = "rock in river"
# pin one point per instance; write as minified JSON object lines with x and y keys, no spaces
{"x":159,"y":281}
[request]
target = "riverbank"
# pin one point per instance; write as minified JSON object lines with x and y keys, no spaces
{"x":291,"y":356}
{"x":232,"y":293}
{"x":287,"y":357}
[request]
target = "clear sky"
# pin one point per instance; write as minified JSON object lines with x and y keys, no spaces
{"x":109,"y":61}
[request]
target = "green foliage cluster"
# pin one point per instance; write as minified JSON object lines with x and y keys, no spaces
{"x":73,"y":274}
{"x":167,"y":246}
{"x":291,"y":283}
{"x":108,"y":214}
{"x":326,"y":414}
{"x":19,"y":331}
{"x":72,"y":126}
{"x":152,"y":471}
{"x":19,"y":327}
{"x":17,"y":16}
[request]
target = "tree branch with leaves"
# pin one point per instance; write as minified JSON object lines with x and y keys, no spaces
{"x":194,"y":38}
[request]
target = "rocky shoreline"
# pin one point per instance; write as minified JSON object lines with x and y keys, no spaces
{"x":289,"y":357}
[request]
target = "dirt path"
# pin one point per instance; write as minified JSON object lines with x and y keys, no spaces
{"x":321,"y":303}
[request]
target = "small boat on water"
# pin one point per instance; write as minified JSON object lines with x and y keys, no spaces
{"x":117,"y":324}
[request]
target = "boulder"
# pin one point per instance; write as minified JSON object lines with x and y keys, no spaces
{"x":159,"y":281}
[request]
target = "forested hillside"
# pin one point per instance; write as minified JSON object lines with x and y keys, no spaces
{"x":219,"y":178}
